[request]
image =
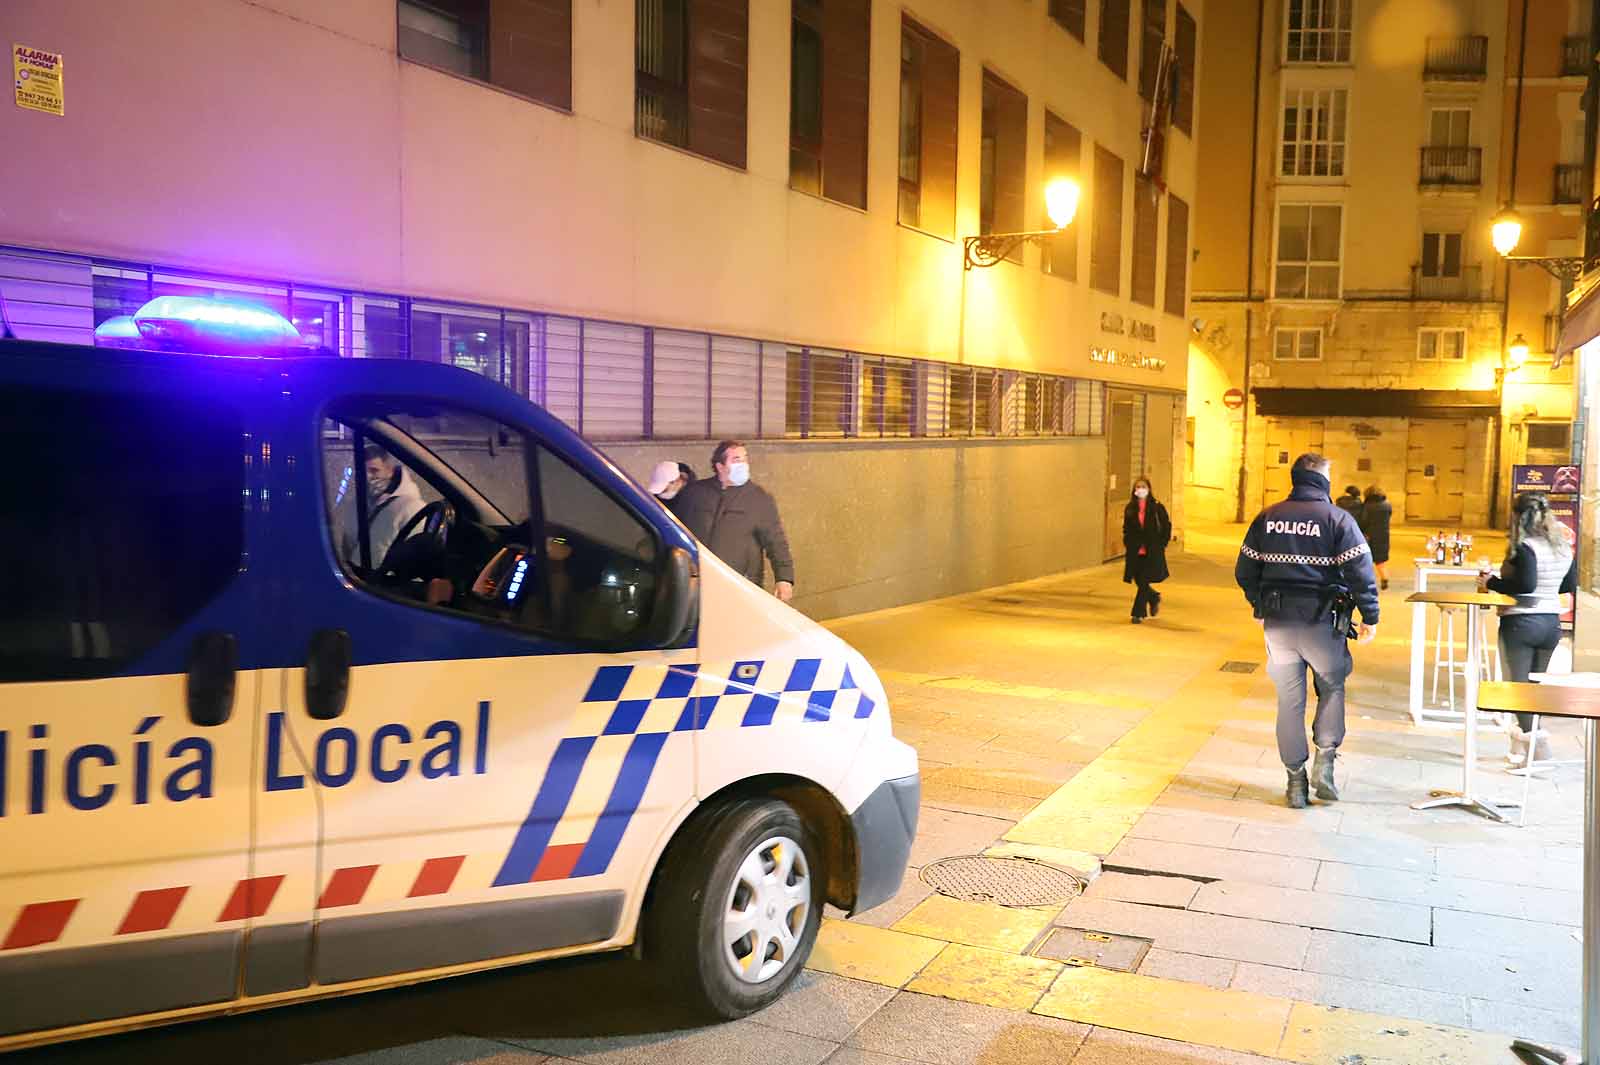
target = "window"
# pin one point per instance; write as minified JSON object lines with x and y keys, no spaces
{"x":821,"y":390}
{"x":579,"y":567}
{"x":1146,"y":235}
{"x":929,"y":87}
{"x":1004,"y":157}
{"x":690,"y":85}
{"x":1063,"y":157}
{"x":1114,"y":36}
{"x":828,"y":99}
{"x":1308,"y":251}
{"x":1318,"y":31}
{"x":888,"y":397}
{"x":1449,"y":344}
{"x":525,"y":47}
{"x":1069,"y":14}
{"x":1441,"y":255}
{"x":134,"y":524}
{"x":1550,"y":436}
{"x":1314,"y":123}
{"x":1152,"y":40}
{"x":1450,"y":127}
{"x":1177,"y":256}
{"x":1185,"y":44}
{"x":1291,"y":345}
{"x":1105,"y":248}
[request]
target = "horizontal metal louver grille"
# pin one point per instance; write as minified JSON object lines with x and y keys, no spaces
{"x":735,"y":387}
{"x":679,"y":365}
{"x":613,"y":381}
{"x":561,"y":362}
{"x":48,"y":297}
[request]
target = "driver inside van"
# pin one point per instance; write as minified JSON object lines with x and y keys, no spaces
{"x":392,"y":499}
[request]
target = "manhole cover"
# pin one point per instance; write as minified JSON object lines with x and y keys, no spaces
{"x":1079,"y":946}
{"x":1240,"y":667}
{"x":1007,"y":881}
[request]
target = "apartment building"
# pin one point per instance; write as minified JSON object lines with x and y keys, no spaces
{"x":1345,"y":281}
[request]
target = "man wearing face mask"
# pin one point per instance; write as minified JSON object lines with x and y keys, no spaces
{"x":738,"y":520}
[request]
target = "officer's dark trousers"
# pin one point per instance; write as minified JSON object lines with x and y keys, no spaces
{"x":1292,"y":648}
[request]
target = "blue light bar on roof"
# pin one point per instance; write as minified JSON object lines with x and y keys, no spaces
{"x":213,"y":324}
{"x":118,"y":332}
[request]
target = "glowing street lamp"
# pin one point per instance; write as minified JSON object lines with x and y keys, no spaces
{"x":1517,"y":353}
{"x":1061,"y":198}
{"x":1506,"y":231}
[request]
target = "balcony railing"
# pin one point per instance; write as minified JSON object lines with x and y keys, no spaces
{"x":1575,"y":56}
{"x":1463,"y":286}
{"x":1456,"y":58}
{"x":1452,"y":166}
{"x":1568,"y":183}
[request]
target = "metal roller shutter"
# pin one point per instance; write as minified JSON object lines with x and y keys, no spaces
{"x":48,"y":297}
{"x":561,"y":362}
{"x":679,"y":370}
{"x":613,"y":381}
{"x":735,"y":388}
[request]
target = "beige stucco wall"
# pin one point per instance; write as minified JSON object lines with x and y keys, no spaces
{"x":285,"y":137}
{"x":875,"y":525}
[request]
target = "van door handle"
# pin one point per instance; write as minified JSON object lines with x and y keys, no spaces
{"x":327,"y":673}
{"x":213,"y":668}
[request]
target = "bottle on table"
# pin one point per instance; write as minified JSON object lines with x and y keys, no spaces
{"x":1438,"y":551}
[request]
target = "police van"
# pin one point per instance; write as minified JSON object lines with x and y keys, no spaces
{"x":319,"y":675}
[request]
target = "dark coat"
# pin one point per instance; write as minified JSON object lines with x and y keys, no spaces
{"x":1374,"y":518}
{"x":1350,"y":504}
{"x":1153,"y":536}
{"x":1302,"y":547}
{"x":739,"y":525}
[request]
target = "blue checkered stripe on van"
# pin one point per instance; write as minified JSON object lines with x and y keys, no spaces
{"x":642,"y":706}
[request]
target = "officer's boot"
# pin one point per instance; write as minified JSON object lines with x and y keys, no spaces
{"x":1296,"y":792}
{"x":1322,"y":774}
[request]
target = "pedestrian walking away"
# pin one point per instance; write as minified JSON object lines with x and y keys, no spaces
{"x":1539,"y":569}
{"x":1350,"y":502}
{"x":1374,"y":517}
{"x":1146,"y":531}
{"x":1305,"y":568}
{"x":738,"y":520}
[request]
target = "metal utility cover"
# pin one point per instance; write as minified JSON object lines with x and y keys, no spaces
{"x":1079,"y":946}
{"x":1007,"y":881}
{"x":1240,"y":667}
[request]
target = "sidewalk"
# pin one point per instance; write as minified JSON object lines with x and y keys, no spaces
{"x":1361,"y":931}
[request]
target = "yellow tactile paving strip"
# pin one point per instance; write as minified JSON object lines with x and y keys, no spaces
{"x":977,"y":952}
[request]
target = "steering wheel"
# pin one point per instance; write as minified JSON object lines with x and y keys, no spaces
{"x":408,"y":553}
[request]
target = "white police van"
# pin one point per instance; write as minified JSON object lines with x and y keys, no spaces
{"x":319,"y":675}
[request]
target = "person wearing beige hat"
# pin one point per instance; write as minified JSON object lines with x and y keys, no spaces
{"x":667,"y":480}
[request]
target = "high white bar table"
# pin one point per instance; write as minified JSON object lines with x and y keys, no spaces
{"x":1474,"y":601}
{"x":1421,"y":714}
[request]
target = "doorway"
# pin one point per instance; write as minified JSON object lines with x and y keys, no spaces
{"x":1123,"y":413}
{"x":1287,"y":440}
{"x":1436,"y":470}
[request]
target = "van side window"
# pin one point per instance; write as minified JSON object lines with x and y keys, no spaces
{"x":451,"y":510}
{"x":120,"y":520}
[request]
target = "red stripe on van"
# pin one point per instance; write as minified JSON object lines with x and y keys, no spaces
{"x":436,"y":876}
{"x":39,"y":922}
{"x":557,"y":862}
{"x":152,"y":910}
{"x":251,"y":898}
{"x":347,"y":886}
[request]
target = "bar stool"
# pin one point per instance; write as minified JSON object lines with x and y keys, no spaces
{"x":1444,"y":652}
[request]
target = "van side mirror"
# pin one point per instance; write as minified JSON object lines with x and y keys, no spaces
{"x":677,"y":606}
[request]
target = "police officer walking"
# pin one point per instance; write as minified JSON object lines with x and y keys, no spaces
{"x":1305,"y":567}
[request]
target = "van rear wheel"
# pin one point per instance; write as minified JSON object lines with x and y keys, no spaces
{"x":737,"y":907}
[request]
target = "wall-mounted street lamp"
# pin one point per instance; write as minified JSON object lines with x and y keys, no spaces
{"x":1060,"y":204}
{"x":1517,"y":353}
{"x":1506,"y":232}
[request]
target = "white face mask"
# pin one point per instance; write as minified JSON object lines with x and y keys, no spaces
{"x":1141,"y":493}
{"x":738,"y":473}
{"x":669,"y":492}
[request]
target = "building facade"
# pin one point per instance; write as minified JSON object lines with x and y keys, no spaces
{"x":671,"y":221}
{"x":1346,"y":286}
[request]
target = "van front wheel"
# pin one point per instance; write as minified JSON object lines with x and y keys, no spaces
{"x":737,"y":906}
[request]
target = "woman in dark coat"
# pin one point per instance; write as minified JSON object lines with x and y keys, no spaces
{"x":1374,"y":522}
{"x":1146,"y":531}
